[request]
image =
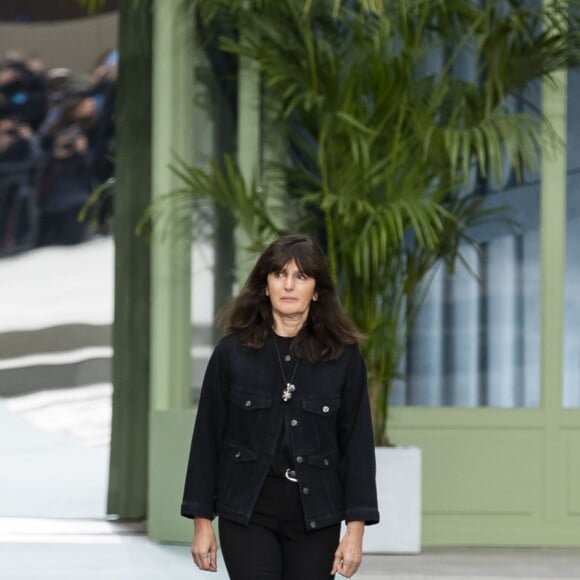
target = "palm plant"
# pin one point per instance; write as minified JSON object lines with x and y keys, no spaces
{"x":382,"y":147}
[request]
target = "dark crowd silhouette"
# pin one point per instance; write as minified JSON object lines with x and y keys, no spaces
{"x":56,"y":149}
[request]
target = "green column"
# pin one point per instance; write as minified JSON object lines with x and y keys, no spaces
{"x":171,"y":388}
{"x":261,"y":150}
{"x":129,"y":431}
{"x":553,"y":256}
{"x":249,"y":148}
{"x":173,"y":102}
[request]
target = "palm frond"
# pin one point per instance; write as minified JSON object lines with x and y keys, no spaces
{"x":387,"y":125}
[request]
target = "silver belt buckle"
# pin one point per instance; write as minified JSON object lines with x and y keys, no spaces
{"x":290,"y":475}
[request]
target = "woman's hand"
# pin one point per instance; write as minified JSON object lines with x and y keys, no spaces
{"x":203,"y":545}
{"x":348,"y":555}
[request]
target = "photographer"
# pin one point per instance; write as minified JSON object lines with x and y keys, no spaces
{"x":20,"y":159}
{"x":17,"y":142}
{"x":22,"y":92}
{"x":65,"y":187}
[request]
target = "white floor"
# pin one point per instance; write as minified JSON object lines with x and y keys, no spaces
{"x":97,"y":557}
{"x":49,"y":286}
{"x":54,"y":444}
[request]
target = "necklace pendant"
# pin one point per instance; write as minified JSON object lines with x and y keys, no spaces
{"x":287,"y":392}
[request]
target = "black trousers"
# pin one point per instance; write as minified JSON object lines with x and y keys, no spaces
{"x":275,"y":545}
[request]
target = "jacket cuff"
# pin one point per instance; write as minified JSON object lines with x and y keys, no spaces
{"x":369,"y":515}
{"x":196,"y":510}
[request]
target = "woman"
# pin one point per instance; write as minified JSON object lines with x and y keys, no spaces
{"x":282,"y":449}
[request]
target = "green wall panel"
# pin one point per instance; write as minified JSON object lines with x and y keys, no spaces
{"x":496,"y":477}
{"x":572,"y":441}
{"x":470,"y":471}
{"x":170,"y":438}
{"x":458,"y":531}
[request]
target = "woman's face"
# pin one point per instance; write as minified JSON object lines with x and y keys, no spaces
{"x":291,"y":292}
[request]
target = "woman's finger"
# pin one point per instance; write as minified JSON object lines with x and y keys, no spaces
{"x":202,"y":561}
{"x":212,"y":559}
{"x":336,"y":564}
{"x":349,"y":568}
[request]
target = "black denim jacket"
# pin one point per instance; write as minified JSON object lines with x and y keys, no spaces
{"x":239,"y":418}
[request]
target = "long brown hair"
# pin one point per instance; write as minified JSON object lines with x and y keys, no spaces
{"x":328,"y":328}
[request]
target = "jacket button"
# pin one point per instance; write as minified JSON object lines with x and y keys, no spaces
{"x":238,"y":453}
{"x":312,"y":525}
{"x":305,"y":490}
{"x":326,"y":462}
{"x":294,"y":422}
{"x":299,"y":459}
{"x":248,"y":403}
{"x":325,"y":409}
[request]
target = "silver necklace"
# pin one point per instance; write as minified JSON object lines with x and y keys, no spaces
{"x":289,"y":384}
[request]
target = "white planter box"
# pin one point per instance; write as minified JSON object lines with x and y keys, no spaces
{"x":399,"y":491}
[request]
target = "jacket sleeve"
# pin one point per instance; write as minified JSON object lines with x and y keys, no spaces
{"x":357,"y":465}
{"x":206,"y":444}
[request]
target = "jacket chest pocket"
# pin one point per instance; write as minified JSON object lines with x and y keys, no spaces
{"x":249,"y":415}
{"x":321,"y":408}
{"x":321,"y":415}
{"x":250,"y":402}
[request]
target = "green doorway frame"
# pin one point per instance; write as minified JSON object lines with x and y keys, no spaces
{"x":491,"y":477}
